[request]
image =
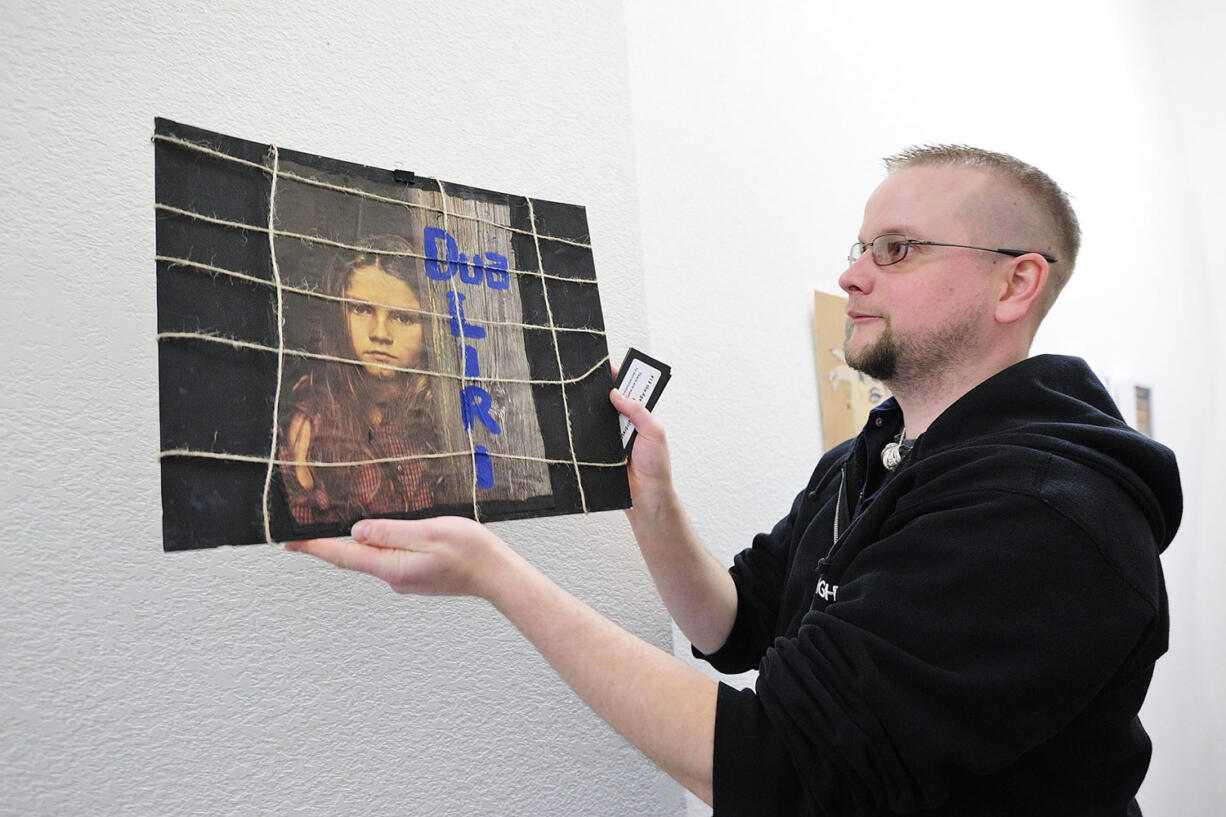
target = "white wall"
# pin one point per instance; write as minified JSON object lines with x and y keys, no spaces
{"x":247,"y":681}
{"x":250,"y":681}
{"x":758,"y":130}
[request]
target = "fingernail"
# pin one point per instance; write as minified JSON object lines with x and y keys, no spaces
{"x":360,"y":530}
{"x":295,"y":546}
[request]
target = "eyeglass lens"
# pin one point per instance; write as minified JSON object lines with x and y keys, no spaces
{"x":886,"y":249}
{"x":889,"y":249}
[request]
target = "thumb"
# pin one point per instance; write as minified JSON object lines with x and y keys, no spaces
{"x":385,"y":533}
{"x":637,"y":414}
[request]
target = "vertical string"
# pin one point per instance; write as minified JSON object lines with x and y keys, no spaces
{"x":570,"y":436}
{"x":276,"y":401}
{"x":455,"y":296}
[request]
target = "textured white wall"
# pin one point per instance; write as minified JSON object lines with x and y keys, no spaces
{"x":758,"y":130}
{"x":249,"y":681}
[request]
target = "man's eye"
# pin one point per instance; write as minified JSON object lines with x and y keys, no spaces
{"x":895,"y":248}
{"x":404,"y":318}
{"x":359,"y":309}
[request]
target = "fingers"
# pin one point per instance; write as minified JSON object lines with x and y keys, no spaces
{"x":347,"y":555}
{"x":398,"y":567}
{"x":384,"y":533}
{"x":401,"y":534}
{"x":413,"y":534}
{"x":443,"y":555}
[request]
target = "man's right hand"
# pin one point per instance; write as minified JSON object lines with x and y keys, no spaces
{"x":649,"y":471}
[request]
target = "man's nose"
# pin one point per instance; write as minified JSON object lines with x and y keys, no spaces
{"x":858,"y":276}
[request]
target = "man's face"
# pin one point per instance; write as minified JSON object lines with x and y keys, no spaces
{"x":390,"y":333}
{"x":909,"y":320}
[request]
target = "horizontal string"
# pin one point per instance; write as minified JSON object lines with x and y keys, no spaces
{"x":259,"y":347}
{"x":353,"y":191}
{"x":315,"y":239}
{"x":311,"y":293}
{"x":221,"y":455}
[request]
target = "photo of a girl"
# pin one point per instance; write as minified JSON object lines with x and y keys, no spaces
{"x":367,"y":411}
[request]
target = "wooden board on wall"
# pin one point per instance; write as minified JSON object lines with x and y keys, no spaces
{"x":845,"y":395}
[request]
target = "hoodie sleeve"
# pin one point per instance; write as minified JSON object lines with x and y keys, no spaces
{"x":976,"y":627}
{"x":760,"y":573}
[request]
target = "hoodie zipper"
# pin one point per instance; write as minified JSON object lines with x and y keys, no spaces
{"x":838,"y":505}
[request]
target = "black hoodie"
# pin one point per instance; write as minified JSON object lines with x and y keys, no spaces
{"x":979,"y":639}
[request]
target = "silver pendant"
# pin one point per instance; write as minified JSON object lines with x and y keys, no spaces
{"x":892,"y":455}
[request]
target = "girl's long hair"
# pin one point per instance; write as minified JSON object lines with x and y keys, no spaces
{"x":343,"y":390}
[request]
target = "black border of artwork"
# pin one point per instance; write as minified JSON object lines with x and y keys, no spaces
{"x":214,"y":397}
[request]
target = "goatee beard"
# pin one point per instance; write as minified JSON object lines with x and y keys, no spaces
{"x":912,"y":361}
{"x":879,"y":360}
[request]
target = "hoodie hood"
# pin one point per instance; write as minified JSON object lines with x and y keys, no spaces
{"x":1058,"y":405}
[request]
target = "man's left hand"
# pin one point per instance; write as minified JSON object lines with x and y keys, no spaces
{"x":450,"y":555}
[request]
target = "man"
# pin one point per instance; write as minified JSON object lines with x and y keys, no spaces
{"x":961,"y":612}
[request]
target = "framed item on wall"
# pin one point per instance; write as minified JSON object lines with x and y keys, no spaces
{"x":1134,"y":401}
{"x":845,"y":396}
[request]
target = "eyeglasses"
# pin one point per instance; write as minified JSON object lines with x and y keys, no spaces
{"x":890,"y":248}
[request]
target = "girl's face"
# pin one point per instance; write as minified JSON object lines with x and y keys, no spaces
{"x":384,"y":335}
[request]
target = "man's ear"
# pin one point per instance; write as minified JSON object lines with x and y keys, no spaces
{"x":1025,"y":278}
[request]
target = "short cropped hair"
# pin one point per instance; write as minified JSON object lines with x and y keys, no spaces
{"x":1050,"y":201}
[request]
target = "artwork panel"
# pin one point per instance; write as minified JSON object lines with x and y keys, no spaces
{"x":405,"y":329}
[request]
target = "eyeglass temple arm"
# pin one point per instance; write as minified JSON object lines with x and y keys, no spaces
{"x":1002,"y":251}
{"x":1019,"y":253}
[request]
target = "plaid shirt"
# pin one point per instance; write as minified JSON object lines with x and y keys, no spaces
{"x":348,"y":493}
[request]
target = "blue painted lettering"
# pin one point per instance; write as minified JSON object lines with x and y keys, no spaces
{"x":443,"y":261}
{"x":440,"y":268}
{"x":496,"y":274}
{"x":475,"y":405}
{"x":471,"y":367}
{"x":484,"y":467}
{"x":461,"y":328}
{"x":472,"y":274}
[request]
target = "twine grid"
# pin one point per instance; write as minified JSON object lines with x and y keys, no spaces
{"x":274,"y":171}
